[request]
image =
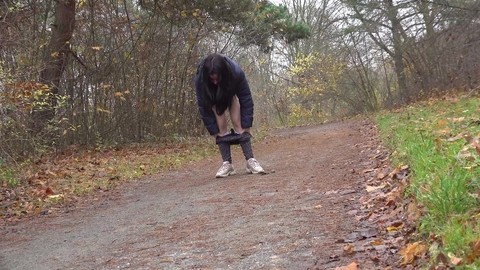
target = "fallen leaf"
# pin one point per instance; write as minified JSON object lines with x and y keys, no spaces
{"x":377,"y":242}
{"x":399,"y":172}
{"x":353,"y":237}
{"x":368,"y":233}
{"x":381,"y":175}
{"x":412,"y":251}
{"x":438,"y":144}
{"x":456,"y":138}
{"x":331,"y":192}
{"x":352,"y":266}
{"x":465,"y":155}
{"x":51,"y":173}
{"x":58,"y":196}
{"x":455,"y":260}
{"x":413,"y":212}
{"x":404,"y":167}
{"x":167,"y":260}
{"x":390,"y":201}
{"x":468,"y":137}
{"x":442,"y":123}
{"x":393,"y":173}
{"x":445,"y":131}
{"x":474,"y":252}
{"x":457,"y":119}
{"x":352,"y":212}
{"x":375,"y":258}
{"x":394,"y":229}
{"x":49,"y":191}
{"x":374,"y":188}
{"x":442,"y":259}
{"x":392,"y":197}
{"x":349,"y":249}
{"x":368,"y":170}
{"x":402,"y":173}
{"x":476,"y":144}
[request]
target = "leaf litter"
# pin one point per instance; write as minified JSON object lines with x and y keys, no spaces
{"x":59,"y":181}
{"x":386,"y":221}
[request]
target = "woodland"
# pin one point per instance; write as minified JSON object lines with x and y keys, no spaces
{"x":114,"y":72}
{"x":95,"y":92}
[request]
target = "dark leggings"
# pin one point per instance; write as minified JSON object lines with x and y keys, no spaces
{"x":243,"y":139}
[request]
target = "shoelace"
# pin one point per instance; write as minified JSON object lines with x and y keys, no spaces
{"x":225,"y":167}
{"x":254,"y":163}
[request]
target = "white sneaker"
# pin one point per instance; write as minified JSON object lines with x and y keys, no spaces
{"x":225,"y":170}
{"x":254,"y":167}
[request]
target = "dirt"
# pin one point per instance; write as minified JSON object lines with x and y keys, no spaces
{"x":304,"y":214}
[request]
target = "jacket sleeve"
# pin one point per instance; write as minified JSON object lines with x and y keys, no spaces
{"x":246,"y":101}
{"x":207,"y":115}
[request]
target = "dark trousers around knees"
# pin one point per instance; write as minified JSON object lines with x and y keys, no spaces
{"x":243,"y":139}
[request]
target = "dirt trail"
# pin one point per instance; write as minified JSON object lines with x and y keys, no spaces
{"x":292,"y":218}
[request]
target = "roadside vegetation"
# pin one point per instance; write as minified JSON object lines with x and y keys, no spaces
{"x":59,"y":179}
{"x":440,"y":142}
{"x":56,"y":180}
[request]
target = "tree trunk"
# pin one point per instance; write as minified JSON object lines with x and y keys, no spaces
{"x":55,"y":60}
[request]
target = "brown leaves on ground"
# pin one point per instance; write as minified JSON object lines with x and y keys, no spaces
{"x":61,"y":180}
{"x":413,"y":251}
{"x":352,"y":266}
{"x":471,"y":151}
{"x":450,"y":260}
{"x":474,"y":252}
{"x":393,"y":215}
{"x":386,"y":213}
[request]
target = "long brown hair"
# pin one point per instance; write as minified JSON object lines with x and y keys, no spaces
{"x":219,"y":95}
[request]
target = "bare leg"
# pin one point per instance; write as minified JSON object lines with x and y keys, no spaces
{"x":221,"y":122}
{"x":223,"y":129}
{"x":235,"y":115}
{"x":237,"y":126}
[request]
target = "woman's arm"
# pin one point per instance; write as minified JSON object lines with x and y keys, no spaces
{"x":246,"y":101}
{"x":207,"y":115}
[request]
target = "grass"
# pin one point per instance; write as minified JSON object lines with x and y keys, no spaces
{"x":434,"y":139}
{"x":61,"y":179}
{"x":8,"y":176}
{"x":31,"y":188}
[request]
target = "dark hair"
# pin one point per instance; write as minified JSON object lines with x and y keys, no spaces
{"x":219,"y":95}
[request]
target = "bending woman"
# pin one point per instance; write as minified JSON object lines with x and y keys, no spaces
{"x":221,"y":86}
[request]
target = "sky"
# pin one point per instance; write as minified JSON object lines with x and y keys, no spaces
{"x":276,"y":1}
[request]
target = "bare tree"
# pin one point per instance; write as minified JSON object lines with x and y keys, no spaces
{"x":55,"y":61}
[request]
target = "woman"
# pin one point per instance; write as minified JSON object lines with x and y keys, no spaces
{"x":221,"y":85}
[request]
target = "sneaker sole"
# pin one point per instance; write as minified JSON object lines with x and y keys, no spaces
{"x":252,"y":172}
{"x":225,"y":175}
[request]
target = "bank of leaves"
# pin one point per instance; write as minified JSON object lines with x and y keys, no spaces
{"x":440,"y":141}
{"x":59,"y":180}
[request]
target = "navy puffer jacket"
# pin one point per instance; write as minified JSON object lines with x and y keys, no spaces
{"x":242,"y":91}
